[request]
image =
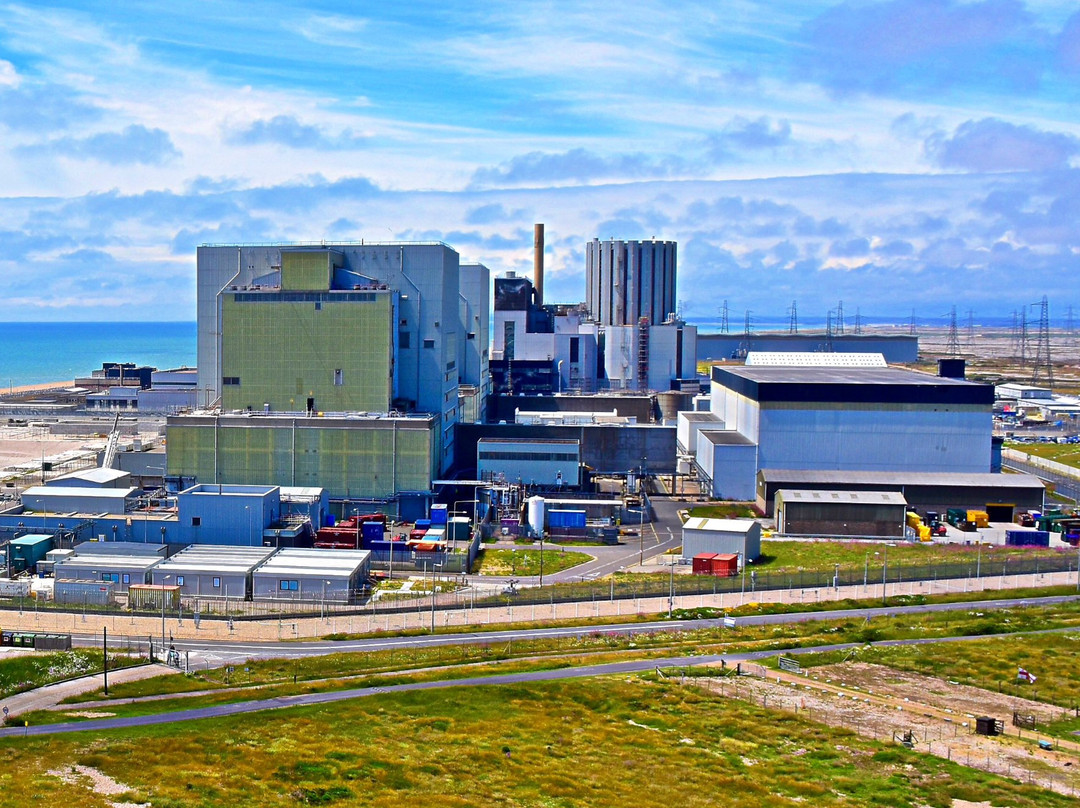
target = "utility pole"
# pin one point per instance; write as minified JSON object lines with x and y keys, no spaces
{"x":952,"y":348}
{"x":1044,"y":369}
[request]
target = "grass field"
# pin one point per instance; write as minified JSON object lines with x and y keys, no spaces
{"x":618,"y":741}
{"x":20,"y":673}
{"x":795,"y":555}
{"x":989,"y":664}
{"x":1067,"y":453}
{"x":725,"y":510}
{"x":526,"y":562}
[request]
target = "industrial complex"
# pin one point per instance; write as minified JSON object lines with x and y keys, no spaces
{"x":350,"y":398}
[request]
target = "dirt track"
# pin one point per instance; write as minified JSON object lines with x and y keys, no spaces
{"x":879,"y":702}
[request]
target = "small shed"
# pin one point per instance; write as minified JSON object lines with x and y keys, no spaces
{"x":840,"y":513}
{"x":987,"y":725}
{"x":77,"y":499}
{"x":740,"y":537}
{"x":314,"y":574}
{"x":213,"y":571}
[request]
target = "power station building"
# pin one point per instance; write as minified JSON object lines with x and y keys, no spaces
{"x":626,"y":281}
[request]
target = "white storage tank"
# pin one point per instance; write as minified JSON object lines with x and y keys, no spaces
{"x":536,"y":514}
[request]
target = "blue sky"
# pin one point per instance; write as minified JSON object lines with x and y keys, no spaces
{"x":898,"y":155}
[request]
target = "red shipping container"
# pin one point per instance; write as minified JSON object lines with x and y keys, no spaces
{"x":703,"y":563}
{"x":725,"y":565}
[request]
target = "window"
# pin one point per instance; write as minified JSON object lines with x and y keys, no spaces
{"x":288,"y":585}
{"x":318,"y":305}
{"x":403,"y":339}
{"x":127,"y":578}
{"x":471,"y":335}
{"x":196,"y":521}
{"x":429,"y":343}
{"x":574,"y":349}
{"x":179,"y":580}
{"x":217,"y":583}
{"x":339,"y":377}
{"x":231,"y":381}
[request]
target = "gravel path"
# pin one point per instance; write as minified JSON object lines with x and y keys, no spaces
{"x":45,"y":697}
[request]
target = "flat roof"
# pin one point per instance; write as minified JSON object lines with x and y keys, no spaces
{"x":719,"y":525}
{"x":831,"y":497}
{"x":78,"y":491}
{"x":901,"y":478}
{"x":103,"y":560}
{"x":725,"y":437}
{"x":850,"y":359}
{"x":538,"y":441}
{"x":888,"y":385}
{"x":314,"y":562}
{"x":31,"y":538}
{"x":97,"y":475}
{"x":216,"y":558}
{"x":696,"y":415}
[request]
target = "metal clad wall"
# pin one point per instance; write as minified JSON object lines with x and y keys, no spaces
{"x":875,"y":439}
{"x":897,"y":349}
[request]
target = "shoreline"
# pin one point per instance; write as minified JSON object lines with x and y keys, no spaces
{"x":33,"y":388}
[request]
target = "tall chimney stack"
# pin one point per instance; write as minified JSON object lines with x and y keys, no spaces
{"x":538,"y":263}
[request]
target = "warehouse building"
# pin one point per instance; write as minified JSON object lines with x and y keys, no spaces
{"x":840,"y":513}
{"x":1000,"y":495}
{"x":837,"y":413}
{"x":78,"y":499}
{"x":212,"y":572}
{"x":741,"y":537}
{"x":313,"y":575}
{"x":896,"y":348}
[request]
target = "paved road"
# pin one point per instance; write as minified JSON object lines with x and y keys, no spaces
{"x":606,"y":669}
{"x":215,"y":653}
{"x":1064,"y":485}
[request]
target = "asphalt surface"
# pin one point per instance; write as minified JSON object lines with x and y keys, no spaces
{"x":1064,"y":485}
{"x":227,"y":652}
{"x":528,"y":677}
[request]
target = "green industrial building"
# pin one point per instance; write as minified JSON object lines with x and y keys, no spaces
{"x":306,"y":347}
{"x":389,"y":460}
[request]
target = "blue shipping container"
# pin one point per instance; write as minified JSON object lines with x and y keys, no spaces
{"x":1027,"y":538}
{"x":575,"y":519}
{"x":371,"y":531}
{"x":438,"y":514}
{"x":423,"y":524}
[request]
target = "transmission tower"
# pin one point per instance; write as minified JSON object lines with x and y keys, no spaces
{"x":840,"y":319}
{"x":744,"y":348}
{"x":858,"y":321}
{"x":793,"y":326}
{"x":952,"y":348}
{"x":1025,"y":349}
{"x":1044,"y":369}
{"x":911,"y":327}
{"x":724,"y":319}
{"x":829,"y":332}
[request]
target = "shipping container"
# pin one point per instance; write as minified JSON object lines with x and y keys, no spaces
{"x":438,"y":514}
{"x":459,"y":528}
{"x":149,"y":596}
{"x":418,"y":534}
{"x":703,"y":563}
{"x":1027,"y":538}
{"x":956,"y":516}
{"x":422,"y":524}
{"x":565,"y":518}
{"x":27,"y":551}
{"x":980,"y":518}
{"x":89,"y":593}
{"x":725,"y":565}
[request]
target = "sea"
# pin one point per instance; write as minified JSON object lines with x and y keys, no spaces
{"x":38,"y":353}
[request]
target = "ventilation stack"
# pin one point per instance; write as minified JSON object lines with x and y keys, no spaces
{"x":538,"y":263}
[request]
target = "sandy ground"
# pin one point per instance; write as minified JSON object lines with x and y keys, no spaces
{"x":97,"y":782}
{"x":881,"y":703}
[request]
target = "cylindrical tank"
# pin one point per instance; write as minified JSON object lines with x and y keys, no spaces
{"x":536,"y":514}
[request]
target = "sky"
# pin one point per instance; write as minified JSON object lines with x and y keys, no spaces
{"x":899,"y":156}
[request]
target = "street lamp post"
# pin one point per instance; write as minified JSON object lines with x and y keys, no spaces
{"x":163,"y":580}
{"x":866,"y":571}
{"x":542,"y":562}
{"x":884,"y":568}
{"x":671,"y":588}
{"x":433,"y":566}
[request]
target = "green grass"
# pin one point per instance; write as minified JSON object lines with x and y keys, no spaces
{"x":603,"y":743}
{"x":526,"y":562}
{"x":26,"y":672}
{"x":1066,"y":453}
{"x":725,"y":510}
{"x":786,"y":556}
{"x":988,"y":664}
